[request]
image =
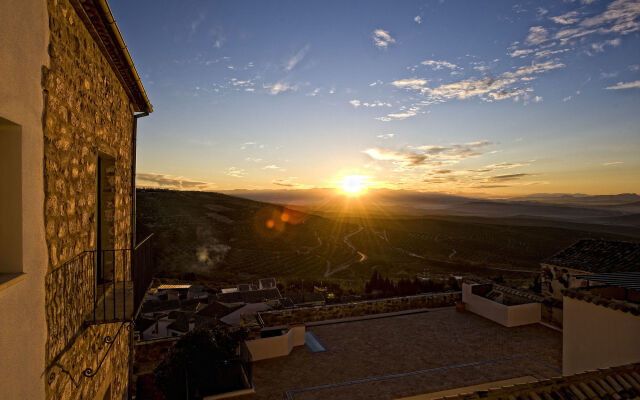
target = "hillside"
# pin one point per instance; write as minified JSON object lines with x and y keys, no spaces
{"x":225,"y":240}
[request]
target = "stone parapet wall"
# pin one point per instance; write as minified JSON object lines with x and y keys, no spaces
{"x":338,"y":311}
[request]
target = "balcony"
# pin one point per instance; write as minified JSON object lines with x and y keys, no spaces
{"x":97,"y":287}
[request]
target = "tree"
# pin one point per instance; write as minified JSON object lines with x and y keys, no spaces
{"x":199,"y":363}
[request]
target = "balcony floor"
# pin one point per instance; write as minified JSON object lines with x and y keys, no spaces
{"x":114,"y":305}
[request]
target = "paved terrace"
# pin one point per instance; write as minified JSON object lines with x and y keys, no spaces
{"x":440,"y":349}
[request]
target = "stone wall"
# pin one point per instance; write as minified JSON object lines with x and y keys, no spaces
{"x":86,"y":113}
{"x":338,"y":311}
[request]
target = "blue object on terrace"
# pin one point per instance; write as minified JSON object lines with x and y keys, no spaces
{"x":313,"y":344}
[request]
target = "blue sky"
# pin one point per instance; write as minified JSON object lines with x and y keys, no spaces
{"x":475,"y":97}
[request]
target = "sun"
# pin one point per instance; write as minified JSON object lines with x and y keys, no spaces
{"x":354,"y":185}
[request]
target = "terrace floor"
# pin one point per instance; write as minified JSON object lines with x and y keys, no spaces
{"x":407,"y":355}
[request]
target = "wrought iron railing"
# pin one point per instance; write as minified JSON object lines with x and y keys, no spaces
{"x":96,"y":287}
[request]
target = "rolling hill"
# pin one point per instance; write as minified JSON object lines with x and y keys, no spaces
{"x":224,"y":240}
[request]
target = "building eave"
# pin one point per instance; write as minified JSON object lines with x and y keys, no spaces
{"x":98,"y":19}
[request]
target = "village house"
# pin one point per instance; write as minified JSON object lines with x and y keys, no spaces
{"x":588,"y":256}
{"x":73,"y":274}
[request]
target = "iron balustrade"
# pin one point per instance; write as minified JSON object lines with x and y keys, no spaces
{"x":96,"y":287}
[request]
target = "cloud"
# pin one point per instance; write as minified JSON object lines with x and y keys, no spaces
{"x":378,"y":82}
{"x":509,"y":177}
{"x":296,"y":58}
{"x":235,"y":172}
{"x":382,"y":38}
{"x":150,"y":179}
{"x":599,"y":47}
{"x":538,"y":99}
{"x":314,"y":92}
{"x":355,"y":103}
{"x":548,"y":52}
{"x":414,"y":83}
{"x":386,"y":135}
{"x":280,"y":87}
{"x":503,"y":165}
{"x":437,"y":65}
{"x":608,"y":164}
{"x":624,"y":85}
{"x":442,"y":171}
{"x":195,"y":24}
{"x":521,"y":53}
{"x":621,"y":18}
{"x":537,"y":35}
{"x":406,"y":159}
{"x":289,"y":182}
{"x":417,"y":19}
{"x":402,"y":115}
{"x":429,"y":155}
{"x":566,"y":19}
{"x":273,"y":166}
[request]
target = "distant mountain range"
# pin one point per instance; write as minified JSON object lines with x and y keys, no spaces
{"x":619,"y":209}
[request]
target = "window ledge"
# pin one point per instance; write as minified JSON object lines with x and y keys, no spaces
{"x":7,"y":280}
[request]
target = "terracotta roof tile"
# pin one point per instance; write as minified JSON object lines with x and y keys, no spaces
{"x":599,"y":256}
{"x":614,"y":383}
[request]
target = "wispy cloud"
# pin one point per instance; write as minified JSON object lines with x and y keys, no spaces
{"x":537,"y":35}
{"x":611,"y":163}
{"x":411,"y":83}
{"x":600,"y":46}
{"x":417,"y":19}
{"x":382,"y":38}
{"x":355,"y":103}
{"x":274,"y":167}
{"x":386,"y":135}
{"x":437,"y":65}
{"x":296,"y":58}
{"x":509,"y":177}
{"x":289,"y":182}
{"x":280,"y":87}
{"x":406,"y":159}
{"x":624,"y":85}
{"x":521,"y":52}
{"x":150,"y":179}
{"x":235,"y":172}
{"x":429,"y":155}
{"x":566,"y":19}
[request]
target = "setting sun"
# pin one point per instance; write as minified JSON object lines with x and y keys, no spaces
{"x":354,"y":185}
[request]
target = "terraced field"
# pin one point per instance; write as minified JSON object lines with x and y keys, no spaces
{"x":224,"y":240}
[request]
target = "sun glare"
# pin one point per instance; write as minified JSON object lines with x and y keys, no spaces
{"x":354,"y":185}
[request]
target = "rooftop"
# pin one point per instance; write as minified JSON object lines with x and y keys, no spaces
{"x":615,"y":383}
{"x":408,"y":355}
{"x":599,"y":256}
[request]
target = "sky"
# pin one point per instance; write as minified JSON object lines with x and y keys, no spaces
{"x":467,"y":97}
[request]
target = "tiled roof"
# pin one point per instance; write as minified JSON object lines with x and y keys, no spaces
{"x":216,"y":310}
{"x":599,"y":256}
{"x":613,"y":383}
{"x":180,"y":324}
{"x":251,"y":296}
{"x":591,"y":297}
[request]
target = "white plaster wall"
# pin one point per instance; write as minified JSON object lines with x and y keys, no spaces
{"x":524,"y":314}
{"x":278,"y":346}
{"x":24,"y":35}
{"x":484,"y":307}
{"x":509,"y":316}
{"x":597,"y":337}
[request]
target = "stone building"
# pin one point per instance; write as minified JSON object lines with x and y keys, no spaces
{"x":72,"y":276}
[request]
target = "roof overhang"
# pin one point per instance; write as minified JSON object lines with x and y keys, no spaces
{"x":97,"y":17}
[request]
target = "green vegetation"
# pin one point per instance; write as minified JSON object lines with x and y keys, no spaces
{"x":222,"y":240}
